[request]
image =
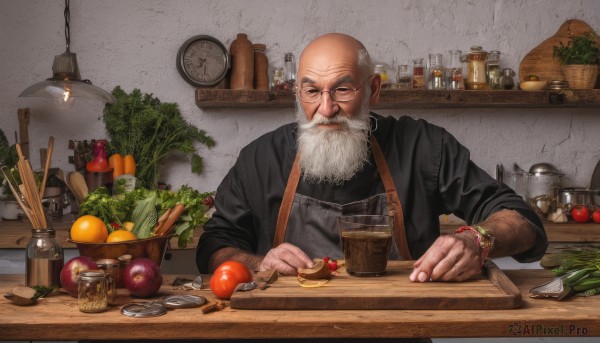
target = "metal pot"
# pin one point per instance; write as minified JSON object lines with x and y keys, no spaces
{"x":543,"y":184}
{"x":569,"y":197}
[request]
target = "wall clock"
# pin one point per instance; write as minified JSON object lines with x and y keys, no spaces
{"x":203,"y":61}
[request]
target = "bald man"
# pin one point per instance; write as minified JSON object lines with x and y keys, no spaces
{"x":277,"y":206}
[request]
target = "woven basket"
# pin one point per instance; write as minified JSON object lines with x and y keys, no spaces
{"x":580,"y":76}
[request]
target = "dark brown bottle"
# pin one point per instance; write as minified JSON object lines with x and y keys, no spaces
{"x":261,"y":66}
{"x":242,"y":63}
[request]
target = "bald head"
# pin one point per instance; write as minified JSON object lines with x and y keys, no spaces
{"x":330,"y":49}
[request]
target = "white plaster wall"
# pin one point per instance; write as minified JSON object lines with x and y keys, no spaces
{"x":133,"y":43}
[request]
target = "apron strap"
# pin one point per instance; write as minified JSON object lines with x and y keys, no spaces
{"x":286,"y":202}
{"x":393,"y":201}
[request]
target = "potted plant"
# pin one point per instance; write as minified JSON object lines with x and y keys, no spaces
{"x":141,"y":125}
{"x":8,"y":160}
{"x":580,"y":59}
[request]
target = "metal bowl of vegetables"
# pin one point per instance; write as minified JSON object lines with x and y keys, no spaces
{"x":153,"y":248}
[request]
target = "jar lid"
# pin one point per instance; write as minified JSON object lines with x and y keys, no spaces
{"x":89,"y":275}
{"x":144,"y":309}
{"x":104,"y":262}
{"x":543,"y":168}
{"x":183,"y":301}
{"x":125,"y":259}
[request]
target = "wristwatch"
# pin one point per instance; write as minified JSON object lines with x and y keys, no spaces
{"x":485,"y":240}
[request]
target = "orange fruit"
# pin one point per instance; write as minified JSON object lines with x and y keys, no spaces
{"x":120,"y":236}
{"x":88,"y":228}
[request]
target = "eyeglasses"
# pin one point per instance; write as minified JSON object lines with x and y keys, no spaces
{"x":339,"y":94}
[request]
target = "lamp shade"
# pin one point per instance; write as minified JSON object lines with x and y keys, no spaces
{"x":66,"y":82}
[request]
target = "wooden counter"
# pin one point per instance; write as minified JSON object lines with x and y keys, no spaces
{"x":15,"y":234}
{"x":58,"y":318}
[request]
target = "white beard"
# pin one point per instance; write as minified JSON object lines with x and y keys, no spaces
{"x":333,"y":155}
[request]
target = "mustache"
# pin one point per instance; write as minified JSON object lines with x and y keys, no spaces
{"x":320,"y":119}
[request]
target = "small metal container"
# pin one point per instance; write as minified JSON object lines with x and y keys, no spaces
{"x":569,"y":197}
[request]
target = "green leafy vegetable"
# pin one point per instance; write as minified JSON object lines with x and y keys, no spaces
{"x":140,"y":125}
{"x":144,"y":216}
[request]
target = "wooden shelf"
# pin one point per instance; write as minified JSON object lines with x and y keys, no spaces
{"x":391,"y":98}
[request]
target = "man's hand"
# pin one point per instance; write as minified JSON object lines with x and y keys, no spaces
{"x":286,"y":259}
{"x":450,"y":258}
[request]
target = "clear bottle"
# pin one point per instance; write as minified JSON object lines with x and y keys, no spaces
{"x":403,"y":77}
{"x":381,"y":70}
{"x":493,"y":69}
{"x":44,"y":260}
{"x":476,"y":63}
{"x":95,"y":290}
{"x":507,"y":81}
{"x":418,"y":74}
{"x":436,"y":72}
{"x":290,"y":70}
{"x":453,"y":71}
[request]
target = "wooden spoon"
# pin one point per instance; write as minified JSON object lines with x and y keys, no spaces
{"x":78,"y":186}
{"x":47,"y":165}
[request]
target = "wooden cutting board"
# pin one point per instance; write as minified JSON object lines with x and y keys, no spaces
{"x":393,"y":291}
{"x":540,"y":61}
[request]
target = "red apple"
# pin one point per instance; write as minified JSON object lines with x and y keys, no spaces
{"x":69,"y":275}
{"x":142,"y":277}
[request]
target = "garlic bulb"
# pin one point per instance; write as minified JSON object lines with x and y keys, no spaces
{"x":558,"y":216}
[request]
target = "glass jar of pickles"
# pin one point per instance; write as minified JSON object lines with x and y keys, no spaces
{"x":476,"y":69}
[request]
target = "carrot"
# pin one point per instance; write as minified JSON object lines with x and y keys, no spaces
{"x":115,"y":161}
{"x":129,"y":165}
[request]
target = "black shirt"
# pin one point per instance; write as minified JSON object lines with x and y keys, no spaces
{"x":433,"y":174}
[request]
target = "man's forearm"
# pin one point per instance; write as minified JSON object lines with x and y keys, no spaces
{"x":226,"y":254}
{"x":513,"y":233}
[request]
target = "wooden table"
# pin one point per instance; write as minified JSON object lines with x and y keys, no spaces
{"x":58,"y":318}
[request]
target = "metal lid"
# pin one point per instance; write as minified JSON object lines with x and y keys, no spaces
{"x":144,"y":309}
{"x":544,"y":168}
{"x":104,"y":262}
{"x":183,"y":301}
{"x":90,"y":275}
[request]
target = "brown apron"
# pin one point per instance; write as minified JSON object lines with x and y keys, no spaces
{"x":393,"y":201}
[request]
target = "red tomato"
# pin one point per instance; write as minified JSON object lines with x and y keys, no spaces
{"x":580,"y":214}
{"x":223,"y":283}
{"x":242,"y":273}
{"x":596,"y":216}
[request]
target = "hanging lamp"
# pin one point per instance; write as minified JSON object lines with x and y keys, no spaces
{"x":66,"y":82}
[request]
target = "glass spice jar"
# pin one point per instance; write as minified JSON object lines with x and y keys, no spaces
{"x":277,"y":79}
{"x":403,"y":78}
{"x":507,"y":81}
{"x":454,"y":75}
{"x":111,"y":267}
{"x":436,"y":72}
{"x":476,"y":66}
{"x":493,"y":69}
{"x":418,"y":74}
{"x":381,"y":70}
{"x":95,"y":291}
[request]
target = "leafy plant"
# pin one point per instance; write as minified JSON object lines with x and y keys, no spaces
{"x":8,"y":158}
{"x":141,"y":125}
{"x":579,"y":50}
